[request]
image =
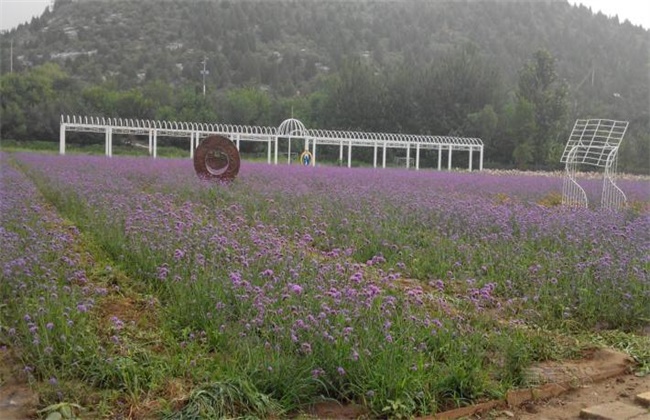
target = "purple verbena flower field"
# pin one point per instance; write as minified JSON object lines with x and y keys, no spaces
{"x":404,"y":292}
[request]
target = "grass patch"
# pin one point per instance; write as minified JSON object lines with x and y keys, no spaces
{"x":235,"y":398}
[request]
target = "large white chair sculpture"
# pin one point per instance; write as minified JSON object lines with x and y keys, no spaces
{"x":595,"y":143}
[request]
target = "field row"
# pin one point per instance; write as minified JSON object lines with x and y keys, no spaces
{"x":405,"y":292}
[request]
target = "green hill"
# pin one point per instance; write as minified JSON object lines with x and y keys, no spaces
{"x":419,"y":66}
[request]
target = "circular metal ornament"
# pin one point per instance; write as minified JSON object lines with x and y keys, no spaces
{"x":216,"y":159}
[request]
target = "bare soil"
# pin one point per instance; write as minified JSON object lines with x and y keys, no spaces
{"x":602,"y":376}
{"x":567,"y":406}
{"x":17,"y":400}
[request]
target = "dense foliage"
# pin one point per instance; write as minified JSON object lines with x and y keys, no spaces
{"x":514,"y":73}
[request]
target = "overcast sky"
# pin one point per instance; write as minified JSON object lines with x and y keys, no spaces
{"x":15,"y":12}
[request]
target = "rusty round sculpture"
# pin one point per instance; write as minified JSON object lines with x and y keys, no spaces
{"x":216,"y":158}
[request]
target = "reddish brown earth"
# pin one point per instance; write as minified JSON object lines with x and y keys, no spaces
{"x":17,"y":401}
{"x":567,"y":406}
{"x":565,"y":388}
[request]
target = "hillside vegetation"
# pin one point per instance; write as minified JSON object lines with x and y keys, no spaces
{"x":515,"y":74}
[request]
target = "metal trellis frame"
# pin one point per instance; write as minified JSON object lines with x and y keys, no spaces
{"x":595,"y":143}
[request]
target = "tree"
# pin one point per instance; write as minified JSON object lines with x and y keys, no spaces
{"x":540,"y":88}
{"x":357,"y":98}
{"x":31,"y":102}
{"x":191,"y":105}
{"x":461,"y":82}
{"x":247,"y":106}
{"x":520,"y":128}
{"x":483,"y":124}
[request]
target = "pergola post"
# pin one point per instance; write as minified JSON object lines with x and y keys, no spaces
{"x":374,"y":156}
{"x":417,"y":156}
{"x":277,"y":140}
{"x":150,"y":141}
{"x":313,"y":153}
{"x":470,"y":158}
{"x":269,"y":152}
{"x":289,"y":152}
{"x":440,"y":157}
{"x":350,"y":154}
{"x":109,"y":141}
{"x":62,"y":139}
{"x":341,"y":153}
{"x":480,"y":163}
{"x":383,"y":157}
{"x":408,"y":155}
{"x":236,"y":142}
{"x":192,"y":145}
{"x":155,"y":144}
{"x":449,"y":159}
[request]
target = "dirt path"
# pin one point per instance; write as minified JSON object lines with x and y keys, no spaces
{"x":560,"y":390}
{"x":17,"y":400}
{"x":567,"y":406}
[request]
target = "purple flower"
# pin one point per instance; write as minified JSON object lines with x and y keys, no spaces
{"x":306,"y":348}
{"x":235,"y":278}
{"x":163,"y":272}
{"x":179,"y":254}
{"x":295,"y":288}
{"x":117,"y":323}
{"x":356,"y":277}
{"x":340,"y":370}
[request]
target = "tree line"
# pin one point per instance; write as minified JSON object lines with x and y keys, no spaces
{"x":460,"y":95}
{"x":515,"y":74}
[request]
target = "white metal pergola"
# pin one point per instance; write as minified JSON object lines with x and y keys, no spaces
{"x":595,"y":143}
{"x":290,"y":129}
